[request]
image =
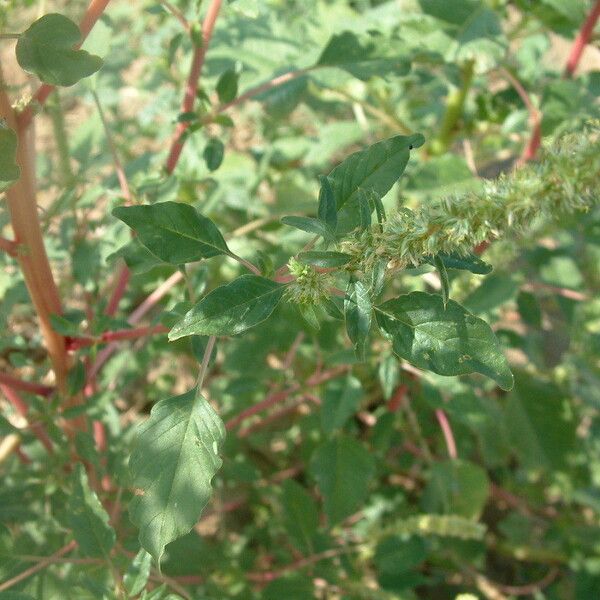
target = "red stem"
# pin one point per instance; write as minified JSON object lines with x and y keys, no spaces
{"x":192,"y":83}
{"x":92,"y":14}
{"x":74,"y":343}
{"x":21,"y":407}
{"x":118,"y":292}
{"x":447,"y":431}
{"x":25,"y":386}
{"x":269,"y":401}
{"x":582,"y":40}
{"x":259,"y":89}
{"x":9,"y":246}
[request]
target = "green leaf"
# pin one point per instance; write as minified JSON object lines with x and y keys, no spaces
{"x":491,"y":293}
{"x":9,"y":171}
{"x":175,"y":456}
{"x":529,"y":309}
{"x":310,"y":225}
{"x":364,"y":57}
{"x":343,"y":470}
{"x":232,"y":308}
{"x":174,"y":232}
{"x":47,"y":50}
{"x":456,"y":487}
{"x":300,"y":514}
{"x":136,"y":577}
{"x":447,"y":341}
{"x":327,"y":211}
{"x":358,"y":311}
{"x":87,"y":518}
{"x":444,"y":282}
{"x":213,"y":153}
{"x":227,"y":86}
{"x":324,"y":259}
{"x":341,"y":401}
{"x":542,"y":432}
{"x":370,"y":171}
{"x":468,"y":262}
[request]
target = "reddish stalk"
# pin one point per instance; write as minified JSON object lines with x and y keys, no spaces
{"x":269,"y":401}
{"x":25,"y":386}
{"x":44,"y":562}
{"x":535,"y":120}
{"x":115,"y":336}
{"x":92,"y":14}
{"x":10,"y":247}
{"x":582,"y":40}
{"x":21,"y":407}
{"x":135,"y":317}
{"x":22,"y":206}
{"x":259,"y":89}
{"x":266,"y":576}
{"x":447,"y":431}
{"x":118,"y":292}
{"x":187,"y":104}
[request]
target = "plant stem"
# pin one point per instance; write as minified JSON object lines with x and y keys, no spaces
{"x":187,"y":104}
{"x":259,"y":89}
{"x":45,"y":562}
{"x":454,"y":110}
{"x":9,"y":36}
{"x":246,"y":263}
{"x":582,"y":40}
{"x":123,"y":184}
{"x":205,"y":360}
{"x":25,"y":386}
{"x":21,"y":407}
{"x":535,"y":119}
{"x":22,"y":206}
{"x":9,"y":246}
{"x":60,"y":137}
{"x":447,"y":431}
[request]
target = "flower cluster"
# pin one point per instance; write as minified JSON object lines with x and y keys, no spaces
{"x":309,"y":287}
{"x":564,"y":181}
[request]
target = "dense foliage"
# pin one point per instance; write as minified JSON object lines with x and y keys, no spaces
{"x":299,"y":299}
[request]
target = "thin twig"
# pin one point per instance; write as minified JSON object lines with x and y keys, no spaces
{"x":447,"y":431}
{"x":25,"y":386}
{"x":23,"y":409}
{"x":582,"y":40}
{"x":45,"y":562}
{"x":205,"y":360}
{"x":123,"y":184}
{"x":187,"y":104}
{"x":535,"y":119}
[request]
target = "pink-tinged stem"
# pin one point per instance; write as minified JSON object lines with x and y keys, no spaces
{"x":192,"y":82}
{"x":582,"y":40}
{"x":115,"y":336}
{"x":269,"y":401}
{"x":92,"y":14}
{"x":447,"y":431}
{"x":9,"y":246}
{"x":535,"y":120}
{"x":259,"y":89}
{"x":136,"y":316}
{"x":25,"y":386}
{"x":118,"y":292}
{"x":21,"y":407}
{"x":266,"y":576}
{"x":39,"y":566}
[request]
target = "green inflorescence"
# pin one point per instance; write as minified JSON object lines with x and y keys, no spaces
{"x":564,"y":181}
{"x":310,"y":287}
{"x":439,"y":525}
